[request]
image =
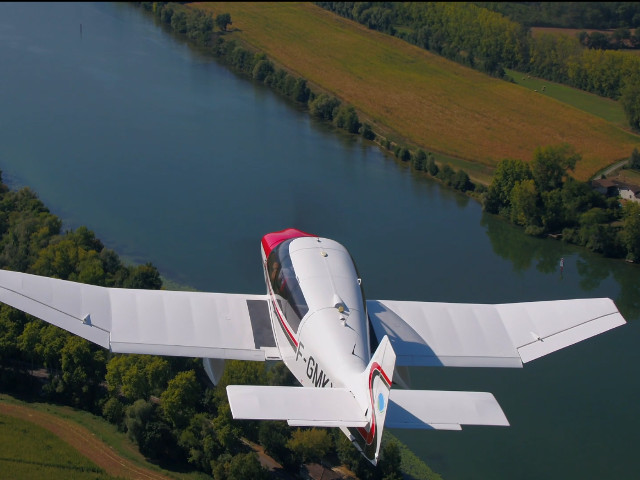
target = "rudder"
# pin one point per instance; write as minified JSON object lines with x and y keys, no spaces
{"x":375,"y":385}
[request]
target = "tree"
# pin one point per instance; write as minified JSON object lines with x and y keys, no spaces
{"x":550,"y":165}
{"x":200,"y":442}
{"x":524,"y":199}
{"x":508,"y":172}
{"x":300,"y":91}
{"x":324,"y":106}
{"x":310,"y":445}
{"x":390,"y":462}
{"x":431,"y":166}
{"x":113,"y":411}
{"x":634,"y":160}
{"x":367,"y":132}
{"x":223,"y":20}
{"x":239,"y":467}
{"x":262,"y":69}
{"x":137,"y":376}
{"x":461,"y":181}
{"x":273,"y":436}
{"x":136,"y":418}
{"x":630,"y":100}
{"x":402,"y":154}
{"x":83,"y":367}
{"x":419,"y":160}
{"x":347,"y":119}
{"x":11,"y":325}
{"x":180,"y":400}
{"x":631,"y":231}
{"x":144,"y":276}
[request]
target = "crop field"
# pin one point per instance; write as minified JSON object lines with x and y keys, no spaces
{"x":417,"y":97}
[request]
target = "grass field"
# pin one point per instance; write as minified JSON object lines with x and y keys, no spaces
{"x":28,"y":451}
{"x":431,"y":102}
{"x":605,"y":108}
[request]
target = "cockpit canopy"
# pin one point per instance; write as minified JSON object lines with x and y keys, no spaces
{"x":320,"y":268}
{"x":285,"y":284}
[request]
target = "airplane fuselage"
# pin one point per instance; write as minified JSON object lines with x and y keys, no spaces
{"x":317,"y":308}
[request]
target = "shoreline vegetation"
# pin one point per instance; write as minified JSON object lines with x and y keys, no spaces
{"x":539,"y":193}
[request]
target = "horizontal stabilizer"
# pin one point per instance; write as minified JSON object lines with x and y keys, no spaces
{"x":442,"y":410}
{"x":299,"y":406}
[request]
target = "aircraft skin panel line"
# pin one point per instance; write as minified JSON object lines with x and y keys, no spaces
{"x":300,"y":406}
{"x":443,"y":410}
{"x":483,"y":335}
{"x":156,"y":322}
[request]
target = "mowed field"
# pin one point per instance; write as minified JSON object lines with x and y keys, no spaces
{"x":420,"y":97}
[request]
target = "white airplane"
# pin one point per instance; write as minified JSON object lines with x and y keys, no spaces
{"x":316,"y":319}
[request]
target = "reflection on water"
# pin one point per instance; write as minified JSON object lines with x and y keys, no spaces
{"x":526,"y":252}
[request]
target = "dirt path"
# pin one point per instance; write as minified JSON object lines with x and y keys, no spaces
{"x":84,"y":441}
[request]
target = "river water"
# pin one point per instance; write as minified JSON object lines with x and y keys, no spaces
{"x":172,"y":159}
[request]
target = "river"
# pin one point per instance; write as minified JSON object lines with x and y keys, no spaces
{"x":172,"y":159}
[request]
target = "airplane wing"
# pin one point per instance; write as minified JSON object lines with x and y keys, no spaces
{"x":442,"y":410}
{"x":476,"y":335}
{"x":299,"y":406}
{"x":157,"y":322}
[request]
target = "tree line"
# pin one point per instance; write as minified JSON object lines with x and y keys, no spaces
{"x":489,"y":41}
{"x":591,"y":15}
{"x":166,"y":405}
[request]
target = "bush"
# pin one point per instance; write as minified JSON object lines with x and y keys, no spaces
{"x":347,"y":119}
{"x":366,"y":132}
{"x":324,"y":107}
{"x":113,"y":411}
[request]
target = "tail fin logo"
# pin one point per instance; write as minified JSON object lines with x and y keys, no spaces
{"x":381,"y":402}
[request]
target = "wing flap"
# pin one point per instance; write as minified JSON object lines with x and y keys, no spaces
{"x":477,"y":335}
{"x":443,"y":410}
{"x":299,"y":406}
{"x":158,"y":322}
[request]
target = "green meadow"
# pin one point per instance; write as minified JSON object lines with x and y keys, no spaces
{"x":605,"y":108}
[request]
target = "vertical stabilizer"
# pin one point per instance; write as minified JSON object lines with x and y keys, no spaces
{"x":375,"y":384}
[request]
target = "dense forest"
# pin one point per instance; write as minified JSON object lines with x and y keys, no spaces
{"x":490,"y":41}
{"x":587,"y":15}
{"x":166,"y":405}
